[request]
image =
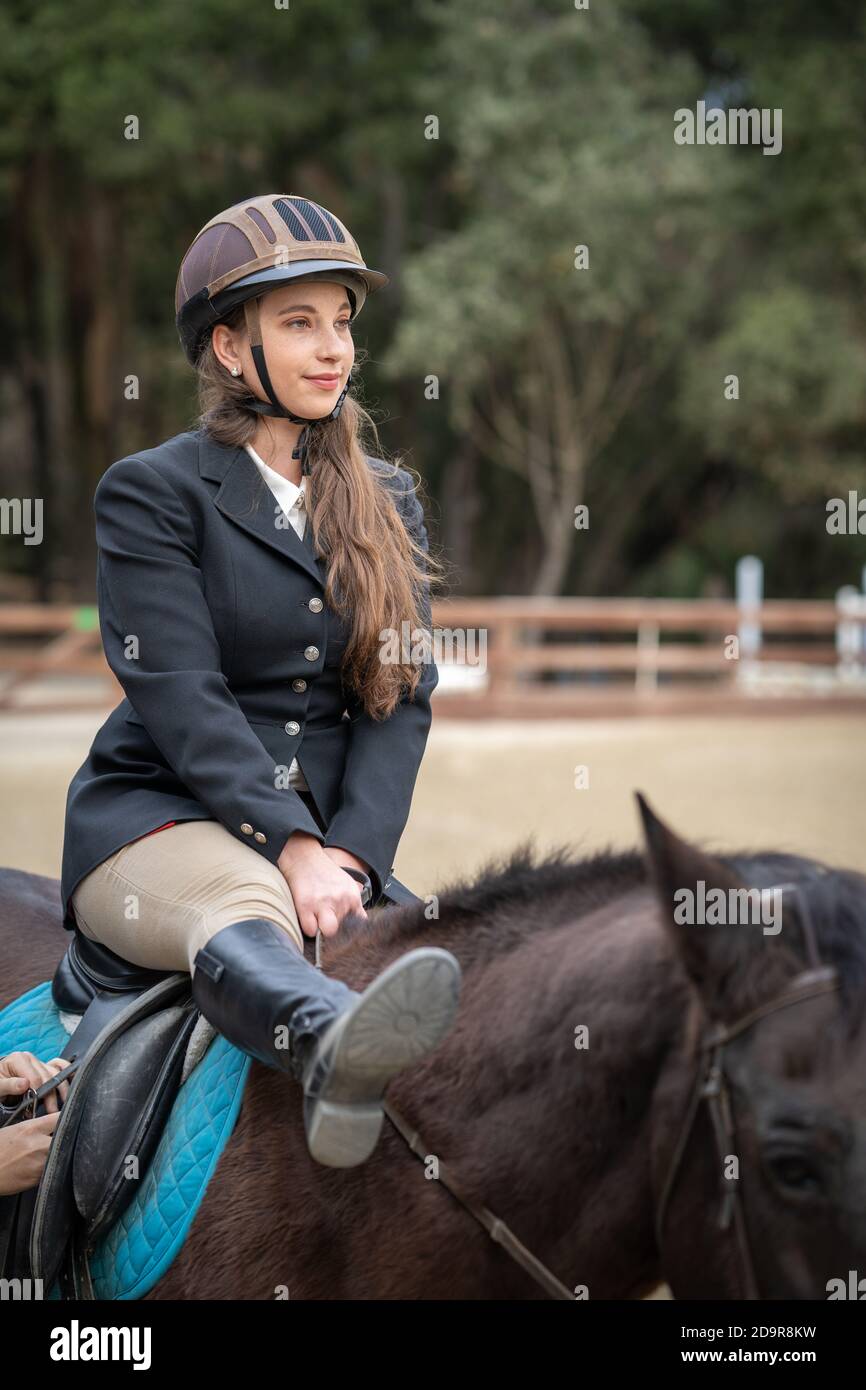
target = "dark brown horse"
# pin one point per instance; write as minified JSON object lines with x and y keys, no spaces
{"x":559,"y":1099}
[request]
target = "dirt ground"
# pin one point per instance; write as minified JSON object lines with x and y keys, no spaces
{"x":797,"y":783}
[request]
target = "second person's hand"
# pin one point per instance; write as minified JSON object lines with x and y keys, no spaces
{"x":23,"y":1150}
{"x":20,"y":1070}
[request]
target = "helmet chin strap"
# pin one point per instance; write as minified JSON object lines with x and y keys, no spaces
{"x":276,"y":408}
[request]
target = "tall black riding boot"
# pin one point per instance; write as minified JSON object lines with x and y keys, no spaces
{"x":251,"y":982}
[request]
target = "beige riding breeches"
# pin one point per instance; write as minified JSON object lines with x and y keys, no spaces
{"x":156,"y":901}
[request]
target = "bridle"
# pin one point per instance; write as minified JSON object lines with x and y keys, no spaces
{"x":712,"y":1085}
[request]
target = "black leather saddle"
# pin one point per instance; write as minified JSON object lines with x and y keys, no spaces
{"x":131,"y":1044}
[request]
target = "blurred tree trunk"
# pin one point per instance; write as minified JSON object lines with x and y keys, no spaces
{"x":29,"y":195}
{"x":94,"y":360}
{"x":566,"y":402}
{"x":602,"y":566}
{"x":461,"y":508}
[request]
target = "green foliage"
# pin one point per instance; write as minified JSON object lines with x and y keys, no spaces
{"x":555,"y":130}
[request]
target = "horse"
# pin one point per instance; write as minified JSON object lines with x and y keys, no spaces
{"x":641,"y":1100}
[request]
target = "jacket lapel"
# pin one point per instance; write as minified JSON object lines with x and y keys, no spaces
{"x":246,"y":500}
{"x":307,"y":538}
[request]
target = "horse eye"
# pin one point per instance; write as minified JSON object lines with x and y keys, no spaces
{"x":795,"y":1173}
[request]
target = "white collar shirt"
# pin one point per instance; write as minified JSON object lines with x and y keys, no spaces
{"x":290,"y":497}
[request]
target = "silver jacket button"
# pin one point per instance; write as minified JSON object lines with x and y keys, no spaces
{"x":293,"y":727}
{"x":299,"y":684}
{"x":315,"y":605}
{"x":246,"y":828}
{"x":311,"y":653}
{"x":262,"y":839}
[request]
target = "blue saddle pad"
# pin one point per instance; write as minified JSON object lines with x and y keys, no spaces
{"x":139,"y":1249}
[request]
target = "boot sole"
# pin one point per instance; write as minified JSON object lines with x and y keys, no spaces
{"x":401,"y":1016}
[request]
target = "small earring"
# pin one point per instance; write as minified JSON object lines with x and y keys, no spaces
{"x":236,"y":371}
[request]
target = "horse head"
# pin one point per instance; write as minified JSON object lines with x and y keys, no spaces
{"x":759,"y":1130}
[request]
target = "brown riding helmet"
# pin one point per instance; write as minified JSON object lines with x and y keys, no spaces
{"x":257,"y":245}
{"x":253,"y":247}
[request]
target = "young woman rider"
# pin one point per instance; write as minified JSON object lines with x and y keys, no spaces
{"x":261,"y":767}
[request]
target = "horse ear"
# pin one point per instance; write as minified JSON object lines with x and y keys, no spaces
{"x":716,"y":955}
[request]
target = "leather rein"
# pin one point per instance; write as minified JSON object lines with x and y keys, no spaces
{"x":711,"y":1086}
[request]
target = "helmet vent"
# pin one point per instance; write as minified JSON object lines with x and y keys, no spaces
{"x":314,"y":221}
{"x":292,"y":221}
{"x":334,"y":225}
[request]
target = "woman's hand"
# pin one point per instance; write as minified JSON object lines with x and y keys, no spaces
{"x":323,"y":893}
{"x":23,"y":1150}
{"x":20,"y":1070}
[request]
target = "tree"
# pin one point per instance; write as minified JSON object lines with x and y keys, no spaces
{"x":561,"y":141}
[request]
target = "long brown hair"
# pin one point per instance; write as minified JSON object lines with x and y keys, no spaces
{"x":356,"y":528}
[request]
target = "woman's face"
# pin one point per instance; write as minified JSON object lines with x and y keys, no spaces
{"x":308,"y":345}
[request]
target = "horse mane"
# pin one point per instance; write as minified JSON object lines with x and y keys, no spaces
{"x":521,"y":880}
{"x":492,"y":910}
